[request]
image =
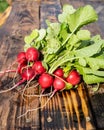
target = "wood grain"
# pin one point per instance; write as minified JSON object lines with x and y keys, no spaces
{"x":63,"y":108}
{"x":4,"y":15}
{"x":23,"y":18}
{"x":66,"y":110}
{"x":49,"y":10}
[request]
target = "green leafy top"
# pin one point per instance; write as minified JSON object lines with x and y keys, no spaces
{"x":65,"y":44}
{"x":82,"y":16}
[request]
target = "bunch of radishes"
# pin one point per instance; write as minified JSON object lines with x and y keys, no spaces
{"x":30,"y":66}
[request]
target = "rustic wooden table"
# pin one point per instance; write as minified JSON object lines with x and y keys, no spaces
{"x":78,"y":109}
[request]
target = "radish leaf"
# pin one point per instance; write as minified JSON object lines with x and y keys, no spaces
{"x":82,"y":16}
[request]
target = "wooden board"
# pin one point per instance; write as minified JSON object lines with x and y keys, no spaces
{"x":49,"y":11}
{"x":95,"y":99}
{"x":23,"y":18}
{"x":62,"y":111}
{"x":67,"y":110}
{"x":75,"y":109}
{"x":97,"y":104}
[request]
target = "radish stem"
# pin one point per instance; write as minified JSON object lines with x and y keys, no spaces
{"x":26,"y":87}
{"x":19,"y":83}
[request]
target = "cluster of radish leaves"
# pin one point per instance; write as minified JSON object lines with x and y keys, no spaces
{"x":67,"y":45}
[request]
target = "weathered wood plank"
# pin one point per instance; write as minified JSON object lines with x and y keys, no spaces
{"x":89,"y":121}
{"x":97,"y":105}
{"x":4,"y":16}
{"x":96,"y":99}
{"x":49,"y":10}
{"x":64,"y":110}
{"x":30,"y":119}
{"x":19,"y":24}
{"x":74,"y":3}
{"x":23,"y":18}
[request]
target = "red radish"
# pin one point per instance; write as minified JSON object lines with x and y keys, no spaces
{"x":45,"y":81}
{"x":21,"y":67}
{"x":59,"y":72}
{"x":21,"y":57}
{"x":27,"y":74}
{"x":32,"y":54}
{"x":58,"y":84}
{"x":73,"y":77}
{"x":38,"y":67}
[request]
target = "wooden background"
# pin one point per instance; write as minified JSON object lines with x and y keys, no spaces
{"x":79,"y":109}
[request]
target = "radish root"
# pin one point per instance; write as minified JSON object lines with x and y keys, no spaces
{"x":26,"y":87}
{"x":34,"y":109}
{"x":19,"y":83}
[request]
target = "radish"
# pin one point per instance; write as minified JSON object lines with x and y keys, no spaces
{"x":21,"y":67}
{"x":59,"y":72}
{"x":73,"y":77}
{"x":21,"y":57}
{"x":58,"y":84}
{"x":45,"y":81}
{"x":38,"y":67}
{"x":27,"y":74}
{"x":21,"y":60}
{"x":32,"y":54}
